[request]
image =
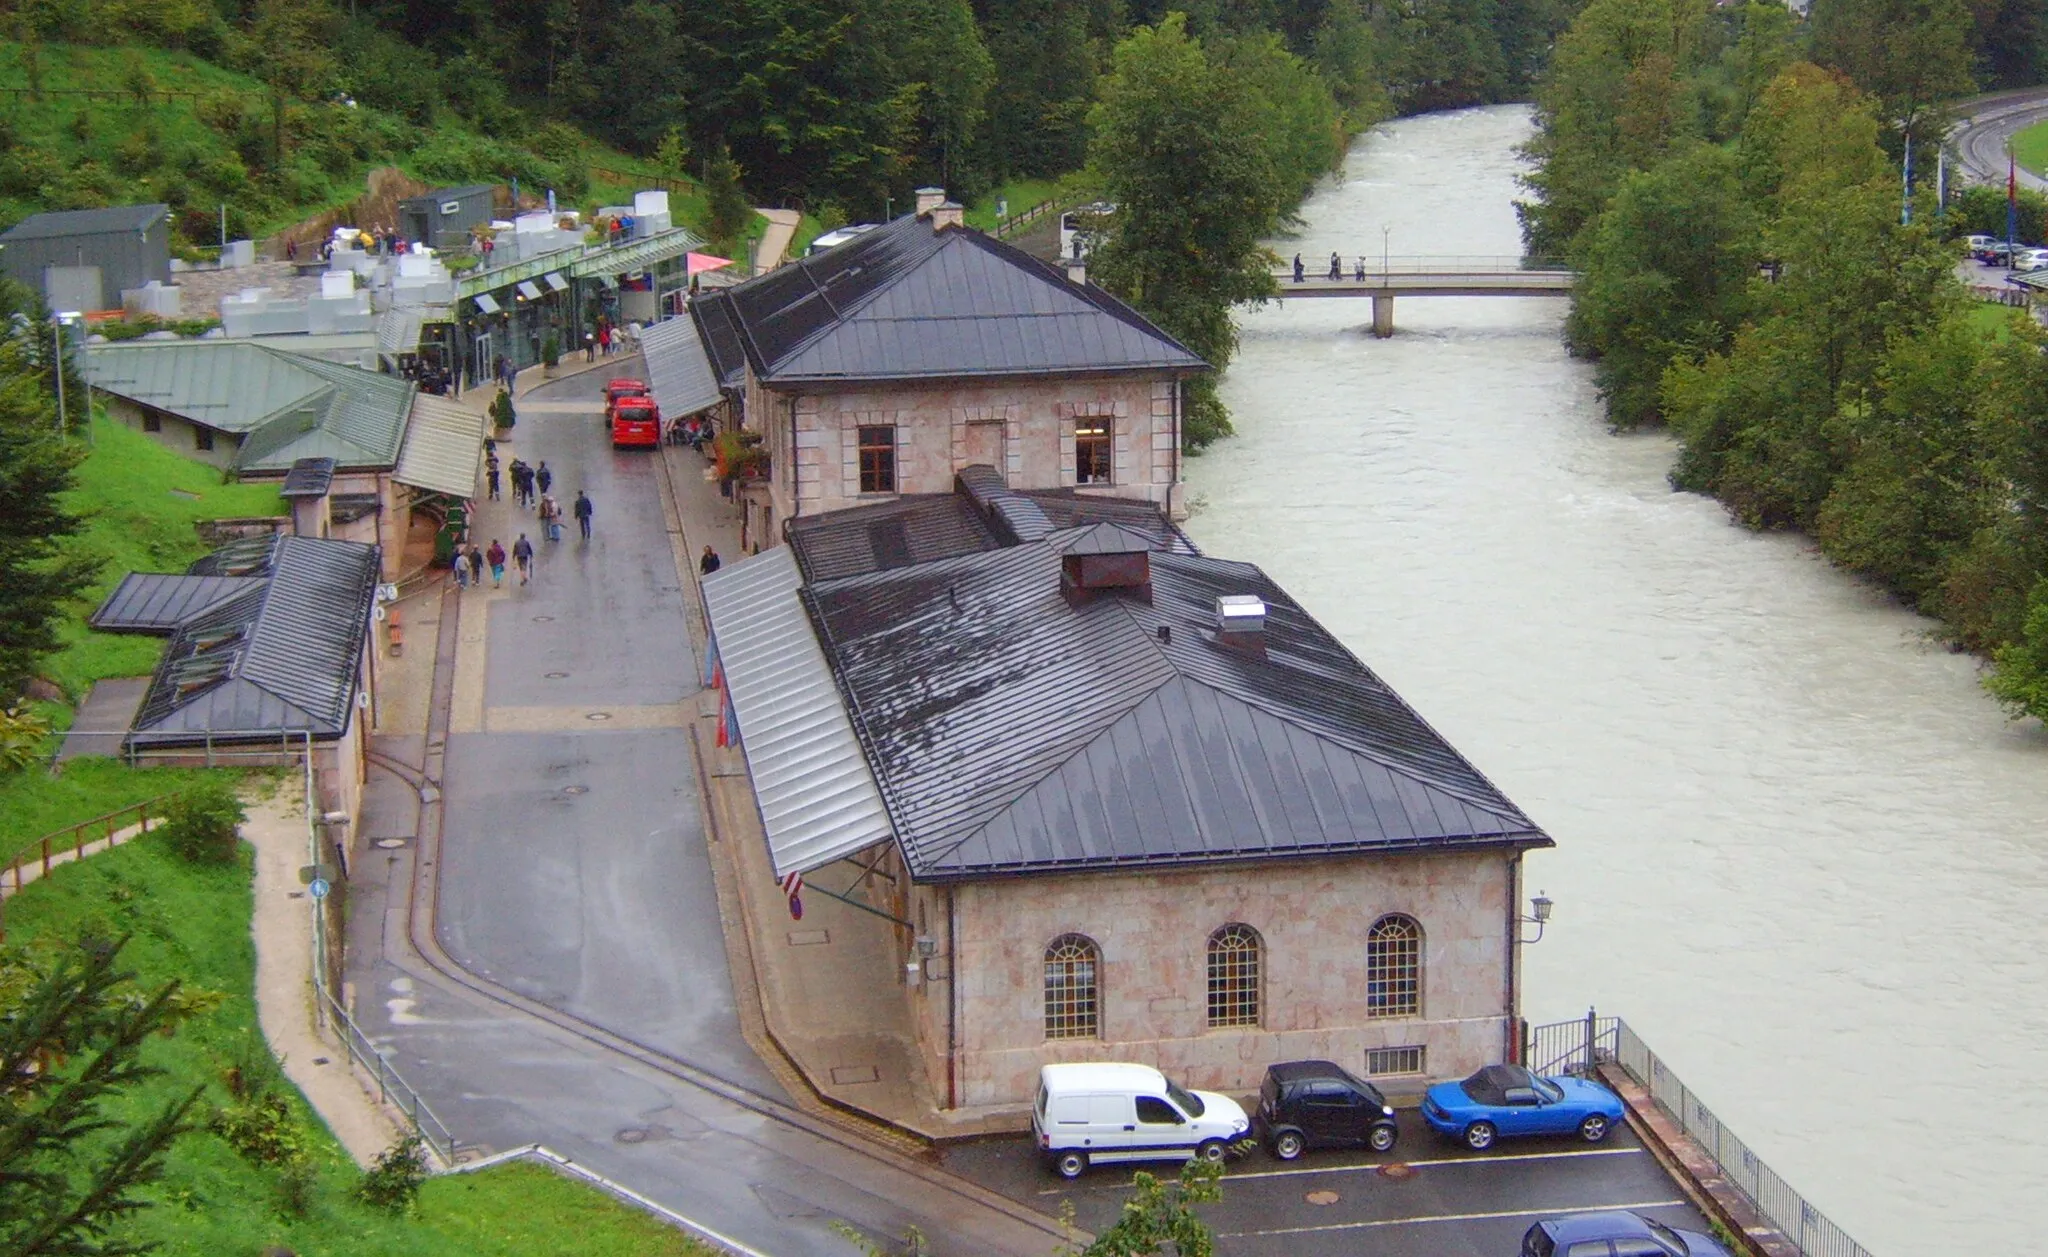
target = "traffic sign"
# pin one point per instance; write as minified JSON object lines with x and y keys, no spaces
{"x":318,"y":889}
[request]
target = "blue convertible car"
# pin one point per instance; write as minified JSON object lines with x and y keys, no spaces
{"x":1502,"y":1101}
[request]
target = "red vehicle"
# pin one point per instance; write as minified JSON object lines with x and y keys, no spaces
{"x":616,"y":389}
{"x":636,"y":421}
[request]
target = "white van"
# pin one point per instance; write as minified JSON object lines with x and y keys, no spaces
{"x":1087,"y":1113}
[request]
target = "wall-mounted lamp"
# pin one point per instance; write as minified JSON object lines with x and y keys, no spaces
{"x":927,"y":946}
{"x":1539,"y":913}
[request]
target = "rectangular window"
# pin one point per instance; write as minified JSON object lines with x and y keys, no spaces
{"x":878,"y":460}
{"x":152,"y":421}
{"x":1091,"y":450}
{"x":1393,"y":1060}
{"x":202,"y":438}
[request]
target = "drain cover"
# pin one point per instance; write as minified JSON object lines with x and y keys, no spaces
{"x":599,"y":715}
{"x":1397,"y":1170}
{"x":556,"y":676}
{"x":1323,"y":1197}
{"x":390,"y":843}
{"x":575,"y":789}
{"x":543,"y":619}
{"x":631,"y":1135}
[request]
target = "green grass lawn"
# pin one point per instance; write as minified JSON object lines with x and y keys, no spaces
{"x":192,"y":924}
{"x":1994,"y":319}
{"x":1022,"y":194}
{"x":2031,"y":147}
{"x":141,"y":503}
{"x":33,"y":803}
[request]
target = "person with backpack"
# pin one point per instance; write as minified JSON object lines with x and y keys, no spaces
{"x":550,"y":517}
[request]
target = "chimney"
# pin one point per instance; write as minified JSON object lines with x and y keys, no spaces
{"x":1077,"y":271}
{"x":929,"y":199}
{"x":948,"y":214}
{"x":1241,"y":623}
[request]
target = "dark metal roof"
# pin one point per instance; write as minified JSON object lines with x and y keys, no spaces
{"x":282,"y":655}
{"x":1105,"y":539}
{"x":982,"y":515}
{"x":712,"y":311}
{"x":308,"y":478}
{"x":157,"y":602}
{"x":1012,"y":731}
{"x":910,"y":300}
{"x":91,"y":222}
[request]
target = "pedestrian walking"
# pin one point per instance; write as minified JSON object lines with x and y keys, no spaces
{"x":522,"y":554}
{"x":604,"y":340}
{"x":709,"y":563}
{"x":550,"y":518}
{"x":542,"y":477}
{"x":291,"y":250}
{"x":1360,"y":273}
{"x":590,"y":347}
{"x":496,"y":558}
{"x":1336,"y":267}
{"x":475,"y":559}
{"x":458,"y":566}
{"x":1299,"y":272}
{"x":491,"y":475}
{"x":584,"y":510}
{"x":522,"y":482}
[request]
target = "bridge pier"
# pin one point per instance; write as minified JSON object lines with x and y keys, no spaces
{"x":1383,"y":314}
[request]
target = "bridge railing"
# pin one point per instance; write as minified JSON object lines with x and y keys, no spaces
{"x":1435,"y":264}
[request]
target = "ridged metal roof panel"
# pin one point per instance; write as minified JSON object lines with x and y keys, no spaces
{"x":157,"y":602}
{"x":819,"y":803}
{"x":444,"y":447}
{"x":679,"y":372}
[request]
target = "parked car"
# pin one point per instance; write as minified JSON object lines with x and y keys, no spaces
{"x":1974,"y":245}
{"x":636,"y":421}
{"x":1505,"y":1101}
{"x":1996,"y":251}
{"x":2029,"y":259}
{"x":1090,"y":1113}
{"x":1614,"y":1233}
{"x":1319,"y":1104}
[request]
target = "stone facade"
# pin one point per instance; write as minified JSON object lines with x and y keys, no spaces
{"x":1152,"y":930}
{"x":1024,"y":428}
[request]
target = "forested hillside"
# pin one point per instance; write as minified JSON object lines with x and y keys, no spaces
{"x":1729,"y":182}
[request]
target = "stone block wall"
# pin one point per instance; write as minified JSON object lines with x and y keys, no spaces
{"x":1153,"y":929}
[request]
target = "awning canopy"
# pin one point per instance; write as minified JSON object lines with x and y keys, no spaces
{"x":637,"y":255}
{"x":678,"y":370}
{"x":818,"y":800}
{"x":529,"y":290}
{"x":398,"y":331}
{"x":444,"y":446}
{"x":555,"y":281}
{"x":701,"y":262}
{"x":486,"y":303}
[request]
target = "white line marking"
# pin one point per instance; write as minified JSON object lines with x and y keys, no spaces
{"x":1448,"y":1217}
{"x":1373,"y":1166}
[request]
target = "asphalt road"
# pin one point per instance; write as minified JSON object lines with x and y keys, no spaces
{"x":573,"y":874}
{"x":1428,"y":1198}
{"x":1987,"y":123}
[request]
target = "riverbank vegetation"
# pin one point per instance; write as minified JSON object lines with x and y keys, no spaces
{"x":1726,"y":180}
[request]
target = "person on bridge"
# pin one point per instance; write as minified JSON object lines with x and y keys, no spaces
{"x":1359,"y":274}
{"x":584,"y":510}
{"x":522,"y":554}
{"x":1298,"y":271}
{"x":1336,"y":267}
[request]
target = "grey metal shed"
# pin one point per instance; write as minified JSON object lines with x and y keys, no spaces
{"x":442,"y":218}
{"x":128,"y":245}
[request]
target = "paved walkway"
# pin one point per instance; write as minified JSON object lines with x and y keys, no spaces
{"x":782,"y":225}
{"x":537,"y":931}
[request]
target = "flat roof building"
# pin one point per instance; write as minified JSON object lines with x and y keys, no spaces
{"x":85,"y":259}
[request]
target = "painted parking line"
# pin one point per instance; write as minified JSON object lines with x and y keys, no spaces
{"x":1447,"y":1217}
{"x":1371,"y":1166}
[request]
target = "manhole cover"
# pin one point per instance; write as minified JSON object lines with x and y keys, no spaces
{"x":543,"y":619}
{"x":1324,"y":1197}
{"x":1396,"y":1170}
{"x":631,"y":1135}
{"x":575,"y":789}
{"x":556,"y":676}
{"x":319,"y":1060}
{"x":390,"y":844}
{"x":599,"y":715}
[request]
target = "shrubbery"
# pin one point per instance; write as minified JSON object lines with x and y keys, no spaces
{"x":200,"y":825}
{"x":393,"y":1183}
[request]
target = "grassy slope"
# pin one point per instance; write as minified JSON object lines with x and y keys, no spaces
{"x":141,"y":502}
{"x":193,"y":924}
{"x":1994,"y":319}
{"x":1022,"y":194}
{"x":2031,"y":147}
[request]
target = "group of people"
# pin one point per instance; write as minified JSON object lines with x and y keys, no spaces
{"x":605,"y":340}
{"x":470,"y":562}
{"x":1336,"y":269}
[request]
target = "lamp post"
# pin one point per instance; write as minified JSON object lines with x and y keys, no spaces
{"x":1539,"y":913}
{"x":1386,"y":248}
{"x":57,"y":321}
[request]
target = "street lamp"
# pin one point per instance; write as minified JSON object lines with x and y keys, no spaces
{"x":1386,"y":245}
{"x":1539,"y":913}
{"x":57,"y":321}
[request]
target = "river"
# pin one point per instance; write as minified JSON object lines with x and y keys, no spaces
{"x":1798,"y":848}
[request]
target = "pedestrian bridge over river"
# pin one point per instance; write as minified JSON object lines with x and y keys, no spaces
{"x":1383,"y":279}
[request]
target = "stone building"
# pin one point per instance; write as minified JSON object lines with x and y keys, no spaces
{"x":1124,"y":801}
{"x":885,"y":365}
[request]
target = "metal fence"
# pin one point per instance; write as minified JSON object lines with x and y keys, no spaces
{"x":1580,"y":1045}
{"x":392,"y":1088}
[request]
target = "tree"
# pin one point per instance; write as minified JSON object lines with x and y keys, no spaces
{"x":1911,"y":55}
{"x":70,"y":1051}
{"x":2019,"y":678}
{"x":38,"y":575}
{"x":1195,"y":190}
{"x":1160,"y":1217}
{"x":726,"y":205}
{"x":1046,"y":57}
{"x":1665,"y":274}
{"x":1346,"y":52}
{"x":1290,"y":109}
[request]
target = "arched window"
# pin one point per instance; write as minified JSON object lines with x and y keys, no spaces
{"x":1393,"y":967}
{"x":1072,"y":996}
{"x":1234,"y":976}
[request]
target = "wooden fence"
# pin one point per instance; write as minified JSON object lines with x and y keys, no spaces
{"x":47,"y":849}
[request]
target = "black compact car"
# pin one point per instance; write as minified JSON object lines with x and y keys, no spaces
{"x":1320,"y":1104}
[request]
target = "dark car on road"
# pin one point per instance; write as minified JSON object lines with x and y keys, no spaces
{"x":1319,"y":1104}
{"x":1614,"y":1233}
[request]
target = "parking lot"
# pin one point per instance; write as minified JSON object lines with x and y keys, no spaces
{"x":1427,"y":1198}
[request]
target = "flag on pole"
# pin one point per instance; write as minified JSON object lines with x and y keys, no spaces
{"x":792,"y":888}
{"x":2012,"y":201}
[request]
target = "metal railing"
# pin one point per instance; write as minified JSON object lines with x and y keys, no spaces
{"x":1579,"y":1046}
{"x":1318,"y":265}
{"x":1014,"y":223}
{"x":392,"y":1088}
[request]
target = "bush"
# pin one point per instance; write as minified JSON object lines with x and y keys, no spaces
{"x":551,"y":349}
{"x":502,"y":414}
{"x":23,"y":734}
{"x":393,"y":1183}
{"x":200,"y":825}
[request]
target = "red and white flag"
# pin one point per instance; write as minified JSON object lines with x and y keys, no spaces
{"x":792,"y":887}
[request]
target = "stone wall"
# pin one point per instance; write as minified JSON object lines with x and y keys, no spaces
{"x":1153,"y":931}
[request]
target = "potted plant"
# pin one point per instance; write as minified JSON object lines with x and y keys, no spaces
{"x":739,"y":455}
{"x":551,"y":350}
{"x":502,"y":416}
